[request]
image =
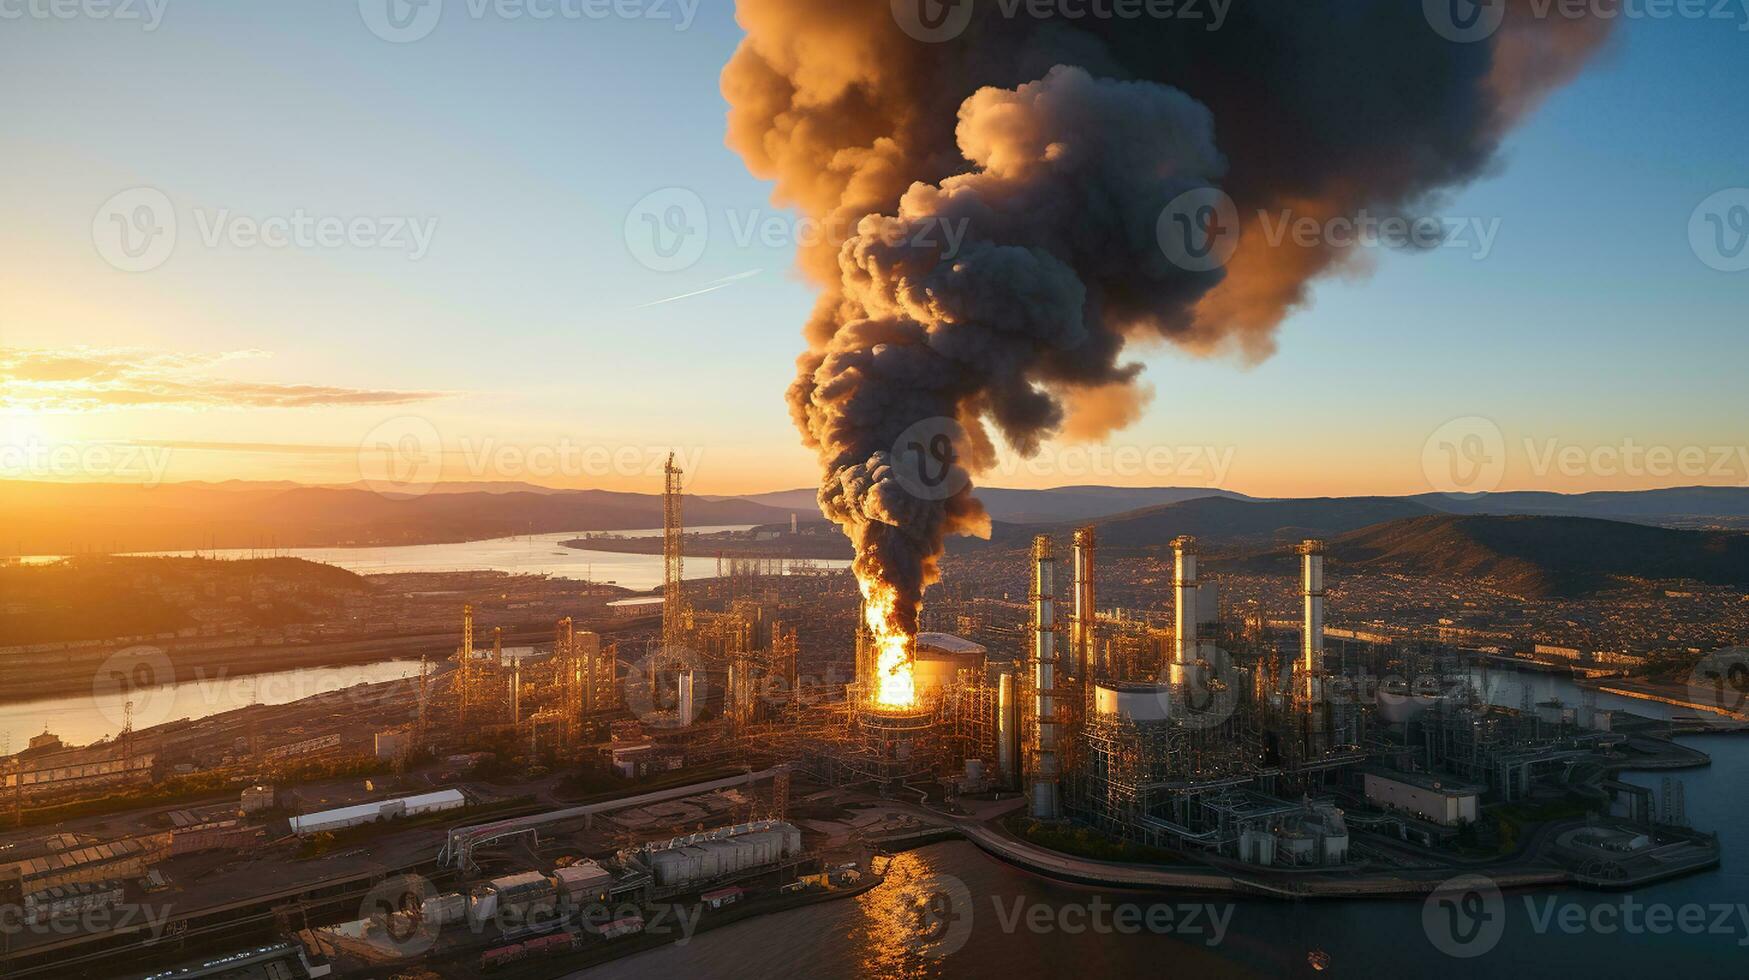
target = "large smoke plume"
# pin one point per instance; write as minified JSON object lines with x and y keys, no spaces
{"x":1053,"y":145}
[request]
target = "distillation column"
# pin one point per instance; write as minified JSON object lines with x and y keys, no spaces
{"x":1184,"y":651}
{"x":1083,"y":639}
{"x":1043,"y":788}
{"x":1311,"y":665}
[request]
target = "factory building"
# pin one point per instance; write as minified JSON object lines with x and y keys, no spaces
{"x":329,"y":821}
{"x":729,"y":851}
{"x":1424,"y":796}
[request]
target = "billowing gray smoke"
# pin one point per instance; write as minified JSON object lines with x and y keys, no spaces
{"x":1002,"y":190}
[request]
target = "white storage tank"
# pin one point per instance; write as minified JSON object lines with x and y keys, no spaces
{"x":1257,"y":847}
{"x":1132,"y":702}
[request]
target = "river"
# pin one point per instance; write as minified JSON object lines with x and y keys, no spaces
{"x":529,"y":554}
{"x":83,"y":719}
{"x":80,"y":720}
{"x":1011,"y":924}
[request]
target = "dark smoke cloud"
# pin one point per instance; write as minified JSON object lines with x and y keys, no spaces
{"x":1052,"y":146}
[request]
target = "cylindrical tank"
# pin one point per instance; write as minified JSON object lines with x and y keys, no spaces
{"x":1007,"y":724}
{"x":1130,"y":702}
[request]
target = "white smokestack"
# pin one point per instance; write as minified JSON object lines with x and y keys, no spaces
{"x":1312,"y":588}
{"x":1184,"y":585}
{"x":1084,"y":639}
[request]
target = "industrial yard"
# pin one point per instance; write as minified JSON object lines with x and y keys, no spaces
{"x":746,"y":745}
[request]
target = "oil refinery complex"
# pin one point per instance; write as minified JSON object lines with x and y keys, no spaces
{"x":755,"y":748}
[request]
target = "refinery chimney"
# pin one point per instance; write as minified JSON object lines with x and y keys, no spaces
{"x":1083,"y":639}
{"x":1043,"y":787}
{"x":1312,"y":588}
{"x":1184,"y":652}
{"x":1310,"y":686}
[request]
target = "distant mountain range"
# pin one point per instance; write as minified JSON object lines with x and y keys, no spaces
{"x":59,"y":518}
{"x":70,"y":518}
{"x":1534,"y":557}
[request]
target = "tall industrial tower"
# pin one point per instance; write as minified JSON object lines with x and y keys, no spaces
{"x":673,"y":542}
{"x":1083,"y":640}
{"x":1043,"y":783}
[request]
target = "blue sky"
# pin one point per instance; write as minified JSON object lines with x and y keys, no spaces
{"x":528,"y":142}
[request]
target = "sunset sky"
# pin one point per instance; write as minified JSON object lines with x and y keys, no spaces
{"x":523,"y":321}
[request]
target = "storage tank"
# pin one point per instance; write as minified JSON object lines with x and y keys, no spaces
{"x":937,"y":659}
{"x":1257,"y":847}
{"x":1138,"y":703}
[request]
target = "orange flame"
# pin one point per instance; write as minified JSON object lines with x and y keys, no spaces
{"x":895,"y":684}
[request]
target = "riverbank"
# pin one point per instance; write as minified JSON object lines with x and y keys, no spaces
{"x":1675,"y":695}
{"x":798,"y":547}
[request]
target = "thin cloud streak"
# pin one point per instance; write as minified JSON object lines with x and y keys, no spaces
{"x":84,"y":379}
{"x":709,"y":287}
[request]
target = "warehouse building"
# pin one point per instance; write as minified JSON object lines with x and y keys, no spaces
{"x":328,"y":821}
{"x":1439,"y":801}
